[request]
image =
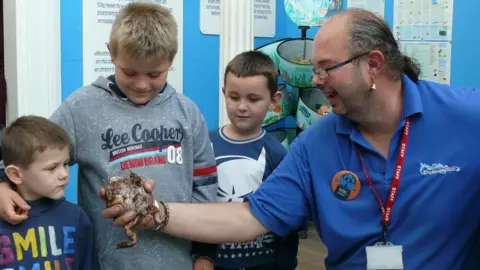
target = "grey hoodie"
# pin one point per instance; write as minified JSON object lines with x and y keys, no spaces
{"x":165,"y":140}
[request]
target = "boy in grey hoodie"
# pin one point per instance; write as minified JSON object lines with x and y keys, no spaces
{"x":136,"y":121}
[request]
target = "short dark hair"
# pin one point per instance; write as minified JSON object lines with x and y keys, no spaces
{"x":254,"y":63}
{"x":369,"y":32}
{"x":29,"y":134}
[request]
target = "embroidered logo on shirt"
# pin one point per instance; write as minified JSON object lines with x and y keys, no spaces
{"x":437,"y":168}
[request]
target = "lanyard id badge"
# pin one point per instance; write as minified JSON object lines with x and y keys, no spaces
{"x":385,"y":255}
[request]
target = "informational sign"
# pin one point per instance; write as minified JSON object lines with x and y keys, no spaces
{"x":423,"y":20}
{"x":434,"y":59}
{"x":98,"y":17}
{"x":264,"y":17}
{"x":375,"y":6}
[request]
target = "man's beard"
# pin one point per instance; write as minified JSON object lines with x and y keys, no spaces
{"x":361,"y":106}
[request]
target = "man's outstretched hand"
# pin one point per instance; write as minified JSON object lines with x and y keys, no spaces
{"x":120,"y":218}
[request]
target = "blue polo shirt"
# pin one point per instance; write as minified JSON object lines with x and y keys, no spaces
{"x":436,"y":214}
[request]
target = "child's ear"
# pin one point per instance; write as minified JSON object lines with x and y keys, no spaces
{"x":223,"y":90}
{"x":14,"y":174}
{"x":110,"y":51}
{"x":276,"y":99}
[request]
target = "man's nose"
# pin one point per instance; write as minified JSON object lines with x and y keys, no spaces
{"x":317,"y":81}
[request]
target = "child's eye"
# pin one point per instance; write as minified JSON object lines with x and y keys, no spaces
{"x":129,"y":74}
{"x":154,"y":75}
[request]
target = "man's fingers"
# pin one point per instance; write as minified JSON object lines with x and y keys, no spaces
{"x":112,"y":212}
{"x":20,"y":202}
{"x":102,"y":193}
{"x":15,"y":208}
{"x":147,"y":222}
{"x":149,"y":185}
{"x":14,"y":218}
{"x":124,"y":219}
{"x":20,"y":211}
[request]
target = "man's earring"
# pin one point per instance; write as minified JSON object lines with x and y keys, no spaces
{"x":374,"y":86}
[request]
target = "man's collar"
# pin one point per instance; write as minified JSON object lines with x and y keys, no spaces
{"x":412,"y":104}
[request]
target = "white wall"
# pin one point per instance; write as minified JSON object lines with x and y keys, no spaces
{"x":32,"y":57}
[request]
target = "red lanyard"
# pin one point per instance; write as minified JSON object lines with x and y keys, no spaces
{"x":387,"y":211}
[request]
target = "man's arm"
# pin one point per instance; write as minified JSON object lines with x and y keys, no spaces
{"x":213,"y":222}
{"x":280,"y":205}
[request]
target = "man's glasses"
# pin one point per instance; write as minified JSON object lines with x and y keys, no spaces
{"x":322,"y":73}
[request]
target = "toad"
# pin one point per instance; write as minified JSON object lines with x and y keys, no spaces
{"x":130,"y":193}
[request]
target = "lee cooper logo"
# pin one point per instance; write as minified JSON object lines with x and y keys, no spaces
{"x":138,"y":134}
{"x":151,"y":147}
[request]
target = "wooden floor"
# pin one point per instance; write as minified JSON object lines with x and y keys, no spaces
{"x":311,"y":253}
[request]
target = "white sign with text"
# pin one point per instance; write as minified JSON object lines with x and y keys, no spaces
{"x":98,"y":17}
{"x":264,"y":12}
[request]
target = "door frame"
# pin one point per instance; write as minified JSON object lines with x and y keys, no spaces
{"x":32,"y":57}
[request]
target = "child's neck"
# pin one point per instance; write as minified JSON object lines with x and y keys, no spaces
{"x":241,"y":135}
{"x":26,"y":194}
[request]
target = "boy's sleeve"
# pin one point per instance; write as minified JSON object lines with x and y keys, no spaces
{"x":205,"y":182}
{"x":279,"y":154}
{"x":86,"y":251}
{"x":63,"y":117}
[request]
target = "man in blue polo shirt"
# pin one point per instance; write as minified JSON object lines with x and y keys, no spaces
{"x":390,"y":179}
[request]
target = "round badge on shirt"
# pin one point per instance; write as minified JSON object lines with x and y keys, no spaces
{"x":346,"y":185}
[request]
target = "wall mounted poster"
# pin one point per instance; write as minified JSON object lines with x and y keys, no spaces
{"x":434,"y":59}
{"x":375,"y":6}
{"x":264,"y":12}
{"x":98,"y":17}
{"x":423,"y":19}
{"x":423,"y":29}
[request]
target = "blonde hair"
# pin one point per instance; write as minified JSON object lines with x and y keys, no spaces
{"x":144,"y":31}
{"x":28,"y":135}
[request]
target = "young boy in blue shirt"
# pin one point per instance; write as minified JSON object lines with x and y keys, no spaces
{"x":57,"y":234}
{"x":245,"y":156}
